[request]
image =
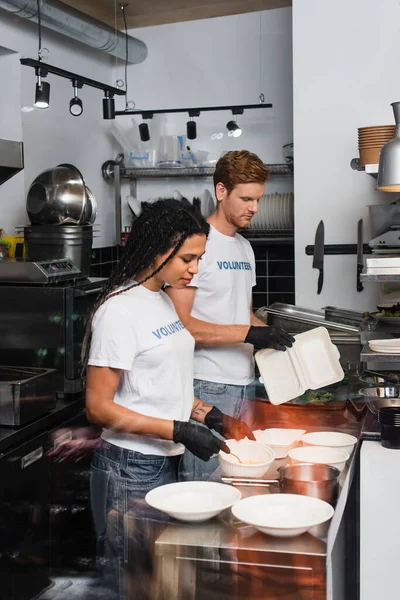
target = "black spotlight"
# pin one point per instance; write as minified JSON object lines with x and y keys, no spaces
{"x":191,"y":129}
{"x":144,"y":132}
{"x":42,"y":93}
{"x":233,"y":128}
{"x":76,"y":104}
{"x":108,"y":106}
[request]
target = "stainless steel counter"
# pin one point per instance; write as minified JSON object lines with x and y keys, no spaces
{"x":232,"y":554}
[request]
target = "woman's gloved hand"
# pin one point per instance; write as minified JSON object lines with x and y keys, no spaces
{"x":227,"y":426}
{"x":269,"y":337}
{"x":199,"y":440}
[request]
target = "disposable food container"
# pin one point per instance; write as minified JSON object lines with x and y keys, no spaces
{"x":311,"y":363}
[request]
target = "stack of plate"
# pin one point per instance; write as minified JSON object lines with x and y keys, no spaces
{"x":391,"y":346}
{"x":275,"y":212}
{"x":370,"y":142}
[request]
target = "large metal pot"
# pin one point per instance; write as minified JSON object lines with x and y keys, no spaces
{"x":316,"y":480}
{"x":46,"y":242}
{"x":57,"y":196}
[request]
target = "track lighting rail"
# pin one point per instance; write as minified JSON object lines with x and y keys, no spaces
{"x":241,"y":108}
{"x":45,"y":69}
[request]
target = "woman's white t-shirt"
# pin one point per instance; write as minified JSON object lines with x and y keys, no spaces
{"x":224,"y":293}
{"x":140,"y":333}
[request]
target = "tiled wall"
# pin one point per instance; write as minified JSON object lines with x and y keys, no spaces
{"x":275,"y":274}
{"x":103,"y":260}
{"x":274,"y":271}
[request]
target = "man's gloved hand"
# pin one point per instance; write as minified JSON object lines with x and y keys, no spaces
{"x":227,"y":426}
{"x":199,"y":440}
{"x":269,"y":337}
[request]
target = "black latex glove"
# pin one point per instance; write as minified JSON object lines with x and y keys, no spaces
{"x":269,"y":337}
{"x":227,"y":426}
{"x":199,"y":440}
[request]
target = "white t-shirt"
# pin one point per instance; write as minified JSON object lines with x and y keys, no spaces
{"x":140,"y":333}
{"x":224,"y":293}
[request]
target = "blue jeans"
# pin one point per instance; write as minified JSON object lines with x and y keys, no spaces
{"x":124,"y":523}
{"x":233,"y":400}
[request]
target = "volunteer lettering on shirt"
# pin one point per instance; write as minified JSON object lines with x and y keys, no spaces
{"x":235,"y":265}
{"x":224,"y":293}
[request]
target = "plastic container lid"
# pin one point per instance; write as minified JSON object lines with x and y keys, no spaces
{"x":311,"y":363}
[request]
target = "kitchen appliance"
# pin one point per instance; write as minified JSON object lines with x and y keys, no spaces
{"x":24,"y":520}
{"x":388,"y":171}
{"x":25,"y":394}
{"x":44,"y":325}
{"x":45,"y":272}
{"x":73,"y":242}
{"x":318,"y":260}
{"x":11,"y":159}
{"x":360,"y":255}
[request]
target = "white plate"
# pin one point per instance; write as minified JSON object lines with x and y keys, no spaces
{"x":282,"y":515}
{"x":193,"y":500}
{"x":389,"y":344}
{"x":280,"y":440}
{"x":207,"y":204}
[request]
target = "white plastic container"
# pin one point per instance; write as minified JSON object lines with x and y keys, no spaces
{"x":247,"y":450}
{"x":311,"y":363}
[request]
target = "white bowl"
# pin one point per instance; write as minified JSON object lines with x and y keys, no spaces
{"x":282,"y":515}
{"x":193,"y":500}
{"x":330,"y":439}
{"x":263,"y":457}
{"x":319,"y":455}
{"x":280,"y":440}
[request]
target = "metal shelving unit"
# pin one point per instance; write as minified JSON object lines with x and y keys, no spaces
{"x":115,"y":170}
{"x":368,"y":355}
{"x":200,"y":171}
{"x":380,"y":278}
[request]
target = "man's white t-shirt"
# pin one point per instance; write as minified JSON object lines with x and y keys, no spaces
{"x":223,"y":296}
{"x":139,"y":332}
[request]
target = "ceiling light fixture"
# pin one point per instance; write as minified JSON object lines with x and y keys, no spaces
{"x":42,"y":92}
{"x":191,"y":127}
{"x":232,"y":126}
{"x":109,"y":91}
{"x":108,"y":105}
{"x":76,"y":104}
{"x":144,"y":128}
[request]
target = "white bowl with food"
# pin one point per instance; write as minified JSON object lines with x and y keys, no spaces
{"x":280,"y":440}
{"x":282,"y":515}
{"x":330,"y":439}
{"x":193,"y":501}
{"x":319,"y":455}
{"x":255,"y":459}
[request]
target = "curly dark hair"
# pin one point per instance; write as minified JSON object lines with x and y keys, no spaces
{"x":161,"y":226}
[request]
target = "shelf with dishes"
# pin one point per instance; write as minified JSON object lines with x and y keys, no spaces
{"x":381,"y":354}
{"x":194,"y":171}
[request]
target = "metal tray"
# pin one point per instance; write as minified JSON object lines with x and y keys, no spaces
{"x":287,"y":312}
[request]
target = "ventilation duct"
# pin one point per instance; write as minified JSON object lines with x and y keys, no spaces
{"x":70,"y":22}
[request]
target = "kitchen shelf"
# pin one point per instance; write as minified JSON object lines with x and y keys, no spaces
{"x":149,"y":173}
{"x":368,"y":356}
{"x":381,"y":278}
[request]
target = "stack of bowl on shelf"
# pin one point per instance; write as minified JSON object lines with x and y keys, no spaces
{"x":371,"y":141}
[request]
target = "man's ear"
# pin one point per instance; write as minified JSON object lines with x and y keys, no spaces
{"x":220,"y":191}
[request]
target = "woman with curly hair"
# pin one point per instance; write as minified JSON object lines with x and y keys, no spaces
{"x":140,"y":382}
